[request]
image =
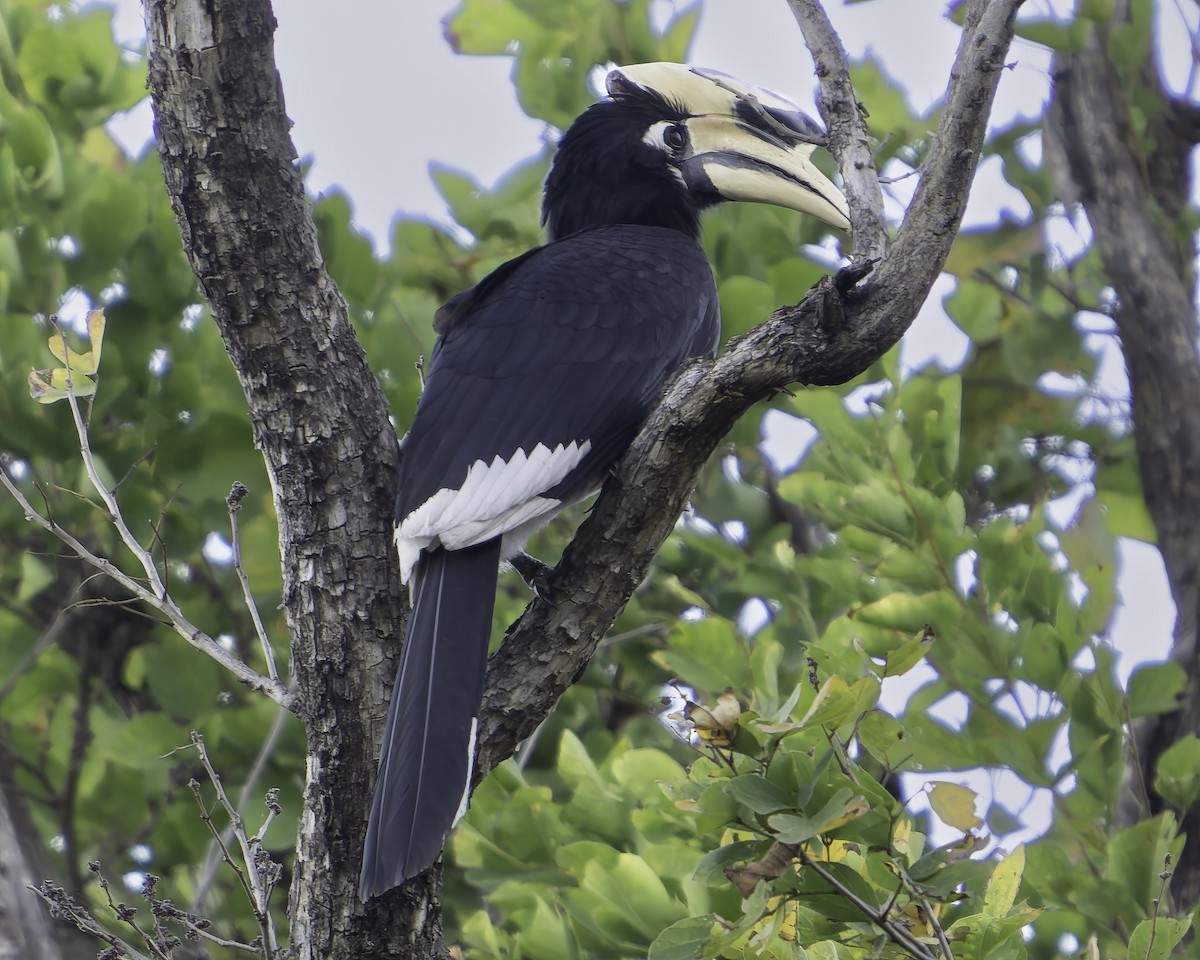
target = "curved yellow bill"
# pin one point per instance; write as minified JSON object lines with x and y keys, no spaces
{"x":746,"y":143}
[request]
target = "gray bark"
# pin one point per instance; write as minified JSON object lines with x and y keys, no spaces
{"x":1133,"y":188}
{"x":24,"y":924}
{"x":321,"y":421}
{"x":26,"y":928}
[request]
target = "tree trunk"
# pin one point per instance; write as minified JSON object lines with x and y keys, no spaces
{"x":321,"y":422}
{"x":27,"y":930}
{"x":1133,"y":186}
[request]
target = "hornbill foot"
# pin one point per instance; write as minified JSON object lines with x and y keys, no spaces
{"x":535,"y":574}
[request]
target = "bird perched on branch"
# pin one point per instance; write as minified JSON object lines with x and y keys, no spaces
{"x":540,"y":379}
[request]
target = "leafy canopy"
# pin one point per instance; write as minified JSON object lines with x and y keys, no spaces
{"x":912,"y":542}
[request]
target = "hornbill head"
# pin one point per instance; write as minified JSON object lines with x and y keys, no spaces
{"x":671,"y":140}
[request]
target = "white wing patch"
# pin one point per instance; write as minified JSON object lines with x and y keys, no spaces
{"x":494,"y":498}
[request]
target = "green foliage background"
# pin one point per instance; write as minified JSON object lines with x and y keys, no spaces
{"x":608,"y":836}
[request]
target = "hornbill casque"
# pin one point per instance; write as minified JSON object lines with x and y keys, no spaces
{"x":540,"y":379}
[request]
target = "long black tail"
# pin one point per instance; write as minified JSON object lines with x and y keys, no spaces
{"x":429,"y":742}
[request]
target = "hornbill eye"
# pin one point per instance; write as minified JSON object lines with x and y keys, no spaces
{"x":674,"y":136}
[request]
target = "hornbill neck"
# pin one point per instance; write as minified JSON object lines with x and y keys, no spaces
{"x":604,"y":175}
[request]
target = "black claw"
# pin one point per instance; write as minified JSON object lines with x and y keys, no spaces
{"x":535,"y":574}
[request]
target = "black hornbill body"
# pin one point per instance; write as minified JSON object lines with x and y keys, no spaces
{"x":540,"y":379}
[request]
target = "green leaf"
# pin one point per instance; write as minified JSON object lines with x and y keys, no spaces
{"x":636,"y":891}
{"x":884,"y":738}
{"x":1177,"y":777}
{"x":758,"y":793}
{"x":145,"y":742}
{"x":35,"y":577}
{"x":1156,"y":939}
{"x":841,"y":807}
{"x":545,"y":935}
{"x":115,"y":215}
{"x":1127,"y":515}
{"x":184,"y":682}
{"x":745,"y":302}
{"x":683,"y":940}
{"x":910,"y":613}
{"x":976,"y":309}
{"x":906,"y":656}
{"x":1067,"y":37}
{"x":988,"y":248}
{"x":1156,"y":688}
{"x":1044,"y":656}
{"x":838,"y":702}
{"x":706,"y":653}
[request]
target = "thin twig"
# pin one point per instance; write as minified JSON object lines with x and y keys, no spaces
{"x":68,"y":908}
{"x":165,"y":605}
{"x":252,"y":879}
{"x":212,"y":859}
{"x":915,"y":892}
{"x":234,"y":502}
{"x":143,"y":556}
{"x":126,"y":914}
{"x":895,"y":932}
{"x":219,"y":941}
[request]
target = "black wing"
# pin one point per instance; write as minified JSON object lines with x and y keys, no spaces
{"x":572,"y":345}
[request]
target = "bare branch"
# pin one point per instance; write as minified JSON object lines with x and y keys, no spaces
{"x":165,"y":605}
{"x":115,"y":517}
{"x":848,"y":140}
{"x":835,"y":333}
{"x":212,"y":859}
{"x":234,"y":502}
{"x":258,"y":887}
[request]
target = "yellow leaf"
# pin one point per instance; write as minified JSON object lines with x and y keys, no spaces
{"x":733,"y":835}
{"x":50,"y":386}
{"x":839,"y":851}
{"x":717,"y":726}
{"x":853,"y":810}
{"x":902,"y":831}
{"x":955,"y":805}
{"x":1002,"y":888}
{"x":915,"y":917}
{"x":83,"y":363}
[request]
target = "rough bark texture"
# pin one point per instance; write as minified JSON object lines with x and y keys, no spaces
{"x":321,"y":422}
{"x":1133,"y":187}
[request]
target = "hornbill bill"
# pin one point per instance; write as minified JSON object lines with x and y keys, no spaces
{"x":541,"y":377}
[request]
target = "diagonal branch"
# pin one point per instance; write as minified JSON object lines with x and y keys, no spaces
{"x":834,"y":334}
{"x":164,"y":604}
{"x":848,"y":141}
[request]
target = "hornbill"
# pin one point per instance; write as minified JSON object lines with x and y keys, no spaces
{"x":541,"y":377}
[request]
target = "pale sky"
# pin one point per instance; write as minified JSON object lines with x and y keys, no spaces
{"x":375,"y":94}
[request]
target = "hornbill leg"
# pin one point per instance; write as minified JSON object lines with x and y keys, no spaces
{"x":534,"y":573}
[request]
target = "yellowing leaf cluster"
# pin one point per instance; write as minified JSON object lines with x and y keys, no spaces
{"x":77,"y":375}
